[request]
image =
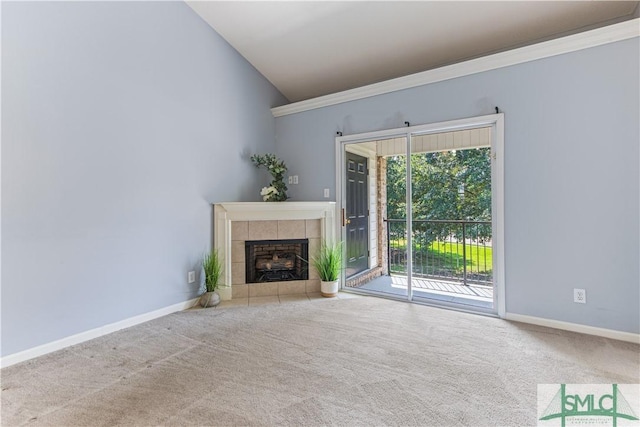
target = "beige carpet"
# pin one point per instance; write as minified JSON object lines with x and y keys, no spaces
{"x":360,"y":361}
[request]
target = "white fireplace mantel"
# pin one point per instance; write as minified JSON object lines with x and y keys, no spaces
{"x":226,"y":213}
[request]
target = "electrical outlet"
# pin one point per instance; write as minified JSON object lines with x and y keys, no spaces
{"x":191,"y":277}
{"x":326,"y":193}
{"x":580,"y":296}
{"x":295,"y":179}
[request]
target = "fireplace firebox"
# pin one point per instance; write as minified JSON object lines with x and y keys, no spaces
{"x":276,"y":260}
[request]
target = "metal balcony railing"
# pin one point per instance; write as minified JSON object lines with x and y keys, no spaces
{"x":454,"y":250}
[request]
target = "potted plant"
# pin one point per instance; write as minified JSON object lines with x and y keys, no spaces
{"x":328,"y":263}
{"x":211,"y":269}
{"x":277,"y":190}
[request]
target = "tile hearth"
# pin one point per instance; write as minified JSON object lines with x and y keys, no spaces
{"x":312,"y":298}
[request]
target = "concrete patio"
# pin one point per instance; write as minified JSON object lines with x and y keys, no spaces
{"x":475,"y":295}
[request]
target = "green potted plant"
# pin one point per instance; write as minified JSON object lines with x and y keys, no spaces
{"x":211,"y":270}
{"x":277,"y":190}
{"x":328,"y":263}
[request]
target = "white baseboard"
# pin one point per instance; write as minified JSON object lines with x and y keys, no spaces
{"x":575,"y":327}
{"x":43,"y":349}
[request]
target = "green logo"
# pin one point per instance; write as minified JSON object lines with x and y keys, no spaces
{"x":582,"y":403}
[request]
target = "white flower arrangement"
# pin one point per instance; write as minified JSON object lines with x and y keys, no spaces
{"x":277,"y":190}
{"x":268,"y":192}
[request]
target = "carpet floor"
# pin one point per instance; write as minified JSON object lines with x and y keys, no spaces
{"x":354,"y":362}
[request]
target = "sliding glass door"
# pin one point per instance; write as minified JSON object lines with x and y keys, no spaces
{"x":367,"y":229}
{"x":451,"y":229}
{"x":418,"y":214}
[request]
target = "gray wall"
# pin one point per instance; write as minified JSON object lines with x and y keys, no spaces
{"x":121,"y":123}
{"x":571,"y":172}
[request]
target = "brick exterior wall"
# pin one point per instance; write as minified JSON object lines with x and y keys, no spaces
{"x":364,"y":277}
{"x":381,"y":165}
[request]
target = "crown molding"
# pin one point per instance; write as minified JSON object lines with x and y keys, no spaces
{"x":609,"y":34}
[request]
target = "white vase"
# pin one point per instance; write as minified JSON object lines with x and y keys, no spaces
{"x":329,"y":289}
{"x":209,"y":299}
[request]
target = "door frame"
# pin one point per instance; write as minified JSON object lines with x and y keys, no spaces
{"x":496,"y":122}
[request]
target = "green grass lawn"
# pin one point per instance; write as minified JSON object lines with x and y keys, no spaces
{"x":478,"y":257}
{"x":447,"y":256}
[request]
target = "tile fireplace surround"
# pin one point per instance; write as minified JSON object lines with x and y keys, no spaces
{"x":236,"y":222}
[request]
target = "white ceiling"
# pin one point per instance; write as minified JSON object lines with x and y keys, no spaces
{"x":314,"y":48}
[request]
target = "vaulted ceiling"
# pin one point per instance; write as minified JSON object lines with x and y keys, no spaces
{"x":313,"y":48}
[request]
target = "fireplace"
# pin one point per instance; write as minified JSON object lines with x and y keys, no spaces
{"x":276,"y":260}
{"x":234,"y":223}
